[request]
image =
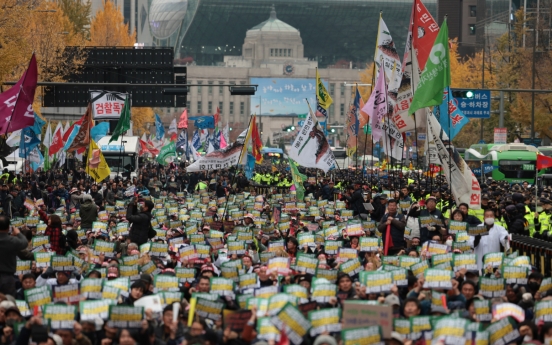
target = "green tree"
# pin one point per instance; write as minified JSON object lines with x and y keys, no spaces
{"x":267,"y":144}
{"x":78,"y":13}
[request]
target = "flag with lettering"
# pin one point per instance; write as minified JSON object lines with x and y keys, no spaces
{"x":323,"y":98}
{"x":16,"y":104}
{"x":451,"y":118}
{"x":28,"y":142}
{"x":352,"y":125}
{"x":183,"y":121}
{"x":96,"y":166}
{"x":82,"y":136}
{"x":436,"y":75}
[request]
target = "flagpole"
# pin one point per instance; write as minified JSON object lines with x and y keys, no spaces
{"x":413,"y":89}
{"x":234,"y":172}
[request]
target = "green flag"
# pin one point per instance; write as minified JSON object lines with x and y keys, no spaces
{"x":298,"y":179}
{"x":436,"y":75}
{"x":124,"y":122}
{"x":46,"y":159}
{"x":166,"y":151}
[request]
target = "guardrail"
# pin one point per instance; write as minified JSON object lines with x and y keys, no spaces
{"x":539,"y":251}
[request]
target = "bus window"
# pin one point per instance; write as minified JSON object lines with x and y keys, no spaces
{"x":517,"y":169}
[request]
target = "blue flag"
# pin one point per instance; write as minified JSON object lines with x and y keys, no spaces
{"x":182,"y":139}
{"x":28,"y":142}
{"x":38,"y":124}
{"x":356,"y":104}
{"x":449,"y":115}
{"x":250,"y":166}
{"x":159,"y":129}
{"x":203,"y":122}
{"x":36,"y":158}
{"x":196,"y":141}
{"x":71,"y":137}
{"x":99,"y":131}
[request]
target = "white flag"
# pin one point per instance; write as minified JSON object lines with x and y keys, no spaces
{"x":172,"y":127}
{"x":311,"y":148}
{"x":48,"y":136}
{"x":386,"y":53}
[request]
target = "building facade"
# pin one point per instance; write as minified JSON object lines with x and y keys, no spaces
{"x":272,"y":49}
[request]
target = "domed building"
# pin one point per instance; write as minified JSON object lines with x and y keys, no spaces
{"x":273,"y":58}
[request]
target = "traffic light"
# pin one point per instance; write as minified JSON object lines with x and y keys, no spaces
{"x":463,"y":94}
{"x":288,"y":129}
{"x":230,"y":129}
{"x":332,"y":130}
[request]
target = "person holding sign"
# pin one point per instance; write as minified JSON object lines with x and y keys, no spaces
{"x":490,"y":243}
{"x":57,"y":239}
{"x":392,"y":227}
{"x":10,"y":246}
{"x":430,"y":218}
{"x":140,"y":228}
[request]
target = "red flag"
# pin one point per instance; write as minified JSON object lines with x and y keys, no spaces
{"x":173,"y":137}
{"x":82,"y":139}
{"x":543,"y":162}
{"x":283,"y":339}
{"x":388,"y":240}
{"x":183,"y":122}
{"x":423,"y":22}
{"x":256,"y":142}
{"x":57,"y":142}
{"x":16,"y":104}
{"x":217,"y":116}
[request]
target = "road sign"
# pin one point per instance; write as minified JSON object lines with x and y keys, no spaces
{"x":487,"y":168}
{"x":408,"y":134}
{"x":477,"y":107}
{"x":301,"y":123}
{"x":302,"y":116}
{"x":535,"y":142}
{"x":422,"y":137}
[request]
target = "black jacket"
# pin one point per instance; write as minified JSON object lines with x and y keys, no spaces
{"x":356,"y":202}
{"x":141,"y":224}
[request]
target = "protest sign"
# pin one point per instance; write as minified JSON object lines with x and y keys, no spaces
{"x":291,"y":321}
{"x":121,"y":316}
{"x":325,"y":320}
{"x":362,"y":314}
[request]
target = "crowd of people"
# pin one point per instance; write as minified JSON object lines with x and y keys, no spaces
{"x":177,"y":258}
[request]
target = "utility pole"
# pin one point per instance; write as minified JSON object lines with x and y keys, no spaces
{"x":533,"y":80}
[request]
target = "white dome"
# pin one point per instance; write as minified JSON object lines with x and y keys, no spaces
{"x":165,"y":16}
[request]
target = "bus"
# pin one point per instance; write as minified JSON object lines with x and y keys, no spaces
{"x":546,"y":150}
{"x":514,"y":163}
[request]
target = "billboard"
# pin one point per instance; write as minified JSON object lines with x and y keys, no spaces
{"x":283,"y":96}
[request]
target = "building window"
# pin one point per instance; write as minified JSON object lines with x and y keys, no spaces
{"x":242,"y":108}
{"x":473,"y":11}
{"x":289,"y":52}
{"x":231,"y":108}
{"x":332,"y":89}
{"x":331,"y":110}
{"x":221,"y":88}
{"x":210,"y":87}
{"x":199,"y":87}
{"x":210,"y":107}
{"x":188,"y":105}
{"x":342,"y":110}
{"x":472,"y":29}
{"x":199,"y":107}
{"x":220,"y":107}
{"x":271,"y":52}
{"x":342,"y":89}
{"x":280,"y":52}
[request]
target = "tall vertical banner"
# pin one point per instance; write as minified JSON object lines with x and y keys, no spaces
{"x":311,"y":148}
{"x":323,"y":98}
{"x":387,"y":55}
{"x":464,"y":185}
{"x":353,"y":125}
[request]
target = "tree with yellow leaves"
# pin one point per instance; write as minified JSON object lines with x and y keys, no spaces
{"x":140,"y":118}
{"x":109,"y":29}
{"x":42,"y":27}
